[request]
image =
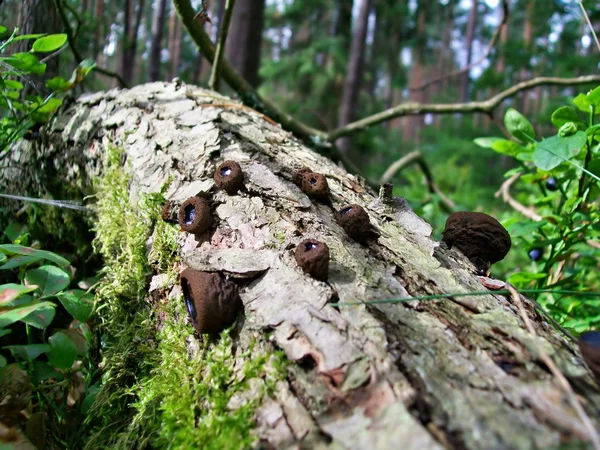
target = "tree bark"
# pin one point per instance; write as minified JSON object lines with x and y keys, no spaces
{"x":158,"y":27}
{"x":354,"y":73}
{"x":471,"y":25}
{"x":457,"y":373}
{"x":130,"y":38}
{"x":245,"y":38}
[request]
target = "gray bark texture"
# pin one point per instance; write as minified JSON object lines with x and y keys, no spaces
{"x":458,"y":373}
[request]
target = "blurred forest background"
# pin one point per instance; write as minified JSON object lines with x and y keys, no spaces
{"x":331,"y":62}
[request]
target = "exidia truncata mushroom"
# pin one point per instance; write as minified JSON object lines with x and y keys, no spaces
{"x":313,"y":258}
{"x":211,"y":301}
{"x":589,"y":344}
{"x":194,"y":215}
{"x":480,"y":237}
{"x":355,"y":221}
{"x":229,"y":177}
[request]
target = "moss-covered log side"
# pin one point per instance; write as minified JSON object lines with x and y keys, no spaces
{"x":457,"y":373}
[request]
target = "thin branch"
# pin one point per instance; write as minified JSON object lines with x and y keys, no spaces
{"x":417,"y":158}
{"x":246,"y":92}
{"x":589,"y":22}
{"x":491,"y":45}
{"x":558,"y":376}
{"x":213,"y":83}
{"x":76,"y":54}
{"x":486,"y":106}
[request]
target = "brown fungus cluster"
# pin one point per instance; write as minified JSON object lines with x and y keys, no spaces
{"x":480,"y":237}
{"x":229,"y":177}
{"x":313,"y":258}
{"x":355,"y":221}
{"x":194,"y":215}
{"x":211,"y":301}
{"x":312,"y":184}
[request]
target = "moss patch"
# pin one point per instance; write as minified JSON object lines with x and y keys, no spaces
{"x":160,"y":387}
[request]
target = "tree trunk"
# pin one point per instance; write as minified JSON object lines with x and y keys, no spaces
{"x":245,"y":38}
{"x":469,"y":47}
{"x":354,"y":73}
{"x":457,"y":373}
{"x":158,"y":27}
{"x":130,"y":38}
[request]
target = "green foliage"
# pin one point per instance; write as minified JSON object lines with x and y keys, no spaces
{"x":22,"y":111}
{"x":559,"y":177}
{"x":41,"y":344}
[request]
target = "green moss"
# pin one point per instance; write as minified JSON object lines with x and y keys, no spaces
{"x":156,"y":391}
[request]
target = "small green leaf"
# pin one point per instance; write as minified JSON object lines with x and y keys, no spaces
{"x":50,"y":106}
{"x":10,"y":292}
{"x":14,"y":249}
{"x":553,"y":151}
{"x":26,"y":37}
{"x":566,"y":114}
{"x":63,"y":352}
{"x":594,"y":97}
{"x":521,"y":278}
{"x":522,"y":228}
{"x":582,"y":103}
{"x":78,"y":303}
{"x":2,"y":30}
{"x":41,"y":318}
{"x":49,"y":43}
{"x":28,"y":352}
{"x":13,"y":84}
{"x":59,"y":84}
{"x":507,"y":147}
{"x":82,"y":70}
{"x":486,"y":142}
{"x":19,"y":261}
{"x":518,"y":126}
{"x":42,"y":371}
{"x":14,"y":314}
{"x":50,"y":279}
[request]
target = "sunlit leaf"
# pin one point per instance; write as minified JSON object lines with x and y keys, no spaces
{"x":49,"y":43}
{"x":553,"y":151}
{"x":518,"y":126}
{"x":78,"y":303}
{"x":11,"y":291}
{"x":14,"y":314}
{"x":14,"y":249}
{"x":486,"y":142}
{"x":566,"y":114}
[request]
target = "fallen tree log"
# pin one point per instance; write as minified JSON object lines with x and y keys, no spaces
{"x":336,"y":371}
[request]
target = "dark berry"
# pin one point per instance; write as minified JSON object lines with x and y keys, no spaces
{"x":535,"y":254}
{"x":551,"y":184}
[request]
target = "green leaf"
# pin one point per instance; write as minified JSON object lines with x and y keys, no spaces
{"x":25,"y":37}
{"x":82,"y":71}
{"x":507,"y":147}
{"x":42,"y":371}
{"x":518,"y":126}
{"x":521,"y":278}
{"x":14,"y":314}
{"x":49,"y":43}
{"x":50,"y":106}
{"x":18,"y":261}
{"x":553,"y":151}
{"x":21,"y":61}
{"x":50,"y":279}
{"x":63,"y":352}
{"x":594,"y":98}
{"x":78,"y":303}
{"x":486,"y":142}
{"x":41,"y":318}
{"x":10,"y":292}
{"x":14,"y":249}
{"x":28,"y":352}
{"x":566,"y":114}
{"x":2,"y":361}
{"x":13,"y":84}
{"x":2,"y":30}
{"x":522,"y":228}
{"x":14,"y":230}
{"x":582,"y":103}
{"x":59,"y":84}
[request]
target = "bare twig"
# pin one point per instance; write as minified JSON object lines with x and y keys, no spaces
{"x":486,"y":106}
{"x":417,"y":158}
{"x":558,"y":376}
{"x":589,"y":22}
{"x":504,"y":191}
{"x":76,"y":54}
{"x":505,"y":11}
{"x":213,"y":83}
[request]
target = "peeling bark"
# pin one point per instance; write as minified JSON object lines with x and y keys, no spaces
{"x":454,"y":373}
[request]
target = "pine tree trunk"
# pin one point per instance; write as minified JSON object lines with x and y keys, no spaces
{"x":158,"y":26}
{"x":458,"y":373}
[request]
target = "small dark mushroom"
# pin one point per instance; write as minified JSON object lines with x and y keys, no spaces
{"x":315,"y":185}
{"x":589,"y":345}
{"x":355,"y":221}
{"x":480,"y":237}
{"x":297,"y":178}
{"x":229,"y":177}
{"x":211,"y":301}
{"x":313,"y":257}
{"x":168,"y":212}
{"x":194,"y":215}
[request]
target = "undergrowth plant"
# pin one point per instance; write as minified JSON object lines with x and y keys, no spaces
{"x":45,"y":369}
{"x":559,"y":223}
